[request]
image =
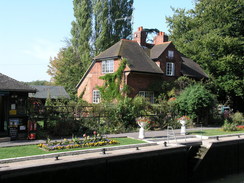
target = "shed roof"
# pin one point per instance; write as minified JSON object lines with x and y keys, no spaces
{"x":9,"y":84}
{"x":54,"y":92}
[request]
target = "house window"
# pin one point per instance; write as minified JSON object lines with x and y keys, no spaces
{"x":108,"y":66}
{"x":148,"y":95}
{"x":170,"y":69}
{"x":96,"y":96}
{"x":170,"y":54}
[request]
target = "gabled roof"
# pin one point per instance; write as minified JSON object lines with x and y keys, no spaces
{"x":137,"y":58}
{"x":192,"y":69}
{"x":157,"y":50}
{"x":54,"y":92}
{"x":10,"y":84}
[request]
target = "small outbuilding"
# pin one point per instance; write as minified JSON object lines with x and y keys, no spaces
{"x":13,"y":107}
{"x":53,"y":92}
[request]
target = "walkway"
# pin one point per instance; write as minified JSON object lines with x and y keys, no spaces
{"x":160,"y":135}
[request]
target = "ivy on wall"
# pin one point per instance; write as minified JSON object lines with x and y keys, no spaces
{"x":112,"y":82}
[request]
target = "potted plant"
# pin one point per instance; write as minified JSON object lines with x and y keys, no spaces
{"x":183,"y":120}
{"x":142,"y":122}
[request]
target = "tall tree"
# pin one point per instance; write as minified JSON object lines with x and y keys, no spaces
{"x":72,"y":61}
{"x":97,"y":26}
{"x":212,"y":34}
{"x":82,"y":31}
{"x":65,"y":69}
{"x":102,"y":28}
{"x":113,"y":21}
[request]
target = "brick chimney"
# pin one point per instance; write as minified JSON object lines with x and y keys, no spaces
{"x":160,"y":38}
{"x":140,"y":36}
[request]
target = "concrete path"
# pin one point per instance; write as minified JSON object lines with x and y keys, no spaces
{"x":149,"y":135}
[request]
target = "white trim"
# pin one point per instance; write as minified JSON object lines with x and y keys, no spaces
{"x":96,"y":96}
{"x":107,"y":66}
{"x":170,"y":69}
{"x":147,"y":94}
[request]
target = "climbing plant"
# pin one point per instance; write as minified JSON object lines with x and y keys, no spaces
{"x":112,"y":82}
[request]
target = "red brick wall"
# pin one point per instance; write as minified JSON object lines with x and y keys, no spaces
{"x":92,"y":80}
{"x":141,"y":82}
{"x":176,"y":60}
{"x":136,"y":81}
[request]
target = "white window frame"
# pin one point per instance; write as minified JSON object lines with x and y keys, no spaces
{"x":107,"y":66}
{"x":170,"y":54}
{"x":170,"y":69}
{"x":147,"y":94}
{"x":96,"y":96}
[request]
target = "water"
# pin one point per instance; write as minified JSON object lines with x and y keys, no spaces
{"x":238,"y":178}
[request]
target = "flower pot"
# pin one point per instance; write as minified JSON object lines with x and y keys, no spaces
{"x":142,"y":131}
{"x":183,"y":127}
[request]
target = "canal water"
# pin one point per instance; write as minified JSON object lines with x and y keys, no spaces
{"x":238,"y":178}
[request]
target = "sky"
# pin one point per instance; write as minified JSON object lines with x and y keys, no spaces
{"x":33,"y":31}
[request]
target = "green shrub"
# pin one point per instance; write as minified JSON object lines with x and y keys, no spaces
{"x":229,"y":126}
{"x":237,"y":118}
{"x":196,"y":102}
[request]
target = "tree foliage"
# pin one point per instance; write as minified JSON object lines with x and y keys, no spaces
{"x":195,"y":101}
{"x":111,"y":89}
{"x":65,"y":70}
{"x":212,"y":35}
{"x":39,"y":82}
{"x":112,"y":22}
{"x":97,"y":26}
{"x":82,"y":32}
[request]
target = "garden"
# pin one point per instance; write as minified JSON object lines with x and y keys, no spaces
{"x":117,"y":113}
{"x":30,"y":150}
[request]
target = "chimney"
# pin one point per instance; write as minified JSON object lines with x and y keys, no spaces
{"x":140,"y":36}
{"x":160,"y":38}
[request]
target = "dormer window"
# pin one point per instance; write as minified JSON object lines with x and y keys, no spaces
{"x":107,"y":66}
{"x":170,"y":69}
{"x":170,"y":54}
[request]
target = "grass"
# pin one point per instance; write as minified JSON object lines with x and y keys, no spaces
{"x":30,"y":150}
{"x":213,"y":132}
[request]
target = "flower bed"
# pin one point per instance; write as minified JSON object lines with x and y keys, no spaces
{"x":240,"y":127}
{"x":77,"y":143}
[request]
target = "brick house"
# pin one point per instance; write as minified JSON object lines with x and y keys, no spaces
{"x":147,"y":65}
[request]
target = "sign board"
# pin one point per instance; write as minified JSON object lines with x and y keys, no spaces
{"x":13,"y":122}
{"x":22,"y":127}
{"x":13,"y":132}
{"x":12,"y":112}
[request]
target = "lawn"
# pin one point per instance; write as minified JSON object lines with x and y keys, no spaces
{"x":29,"y":150}
{"x":213,"y":132}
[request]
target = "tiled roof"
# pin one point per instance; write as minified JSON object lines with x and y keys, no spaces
{"x":192,"y":69}
{"x":9,"y":84}
{"x":157,"y":50}
{"x":140,"y":59}
{"x":54,"y":92}
{"x":137,"y":58}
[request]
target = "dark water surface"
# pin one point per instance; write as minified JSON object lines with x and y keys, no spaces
{"x":238,"y":178}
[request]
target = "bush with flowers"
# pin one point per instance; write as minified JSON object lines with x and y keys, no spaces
{"x":75,"y":142}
